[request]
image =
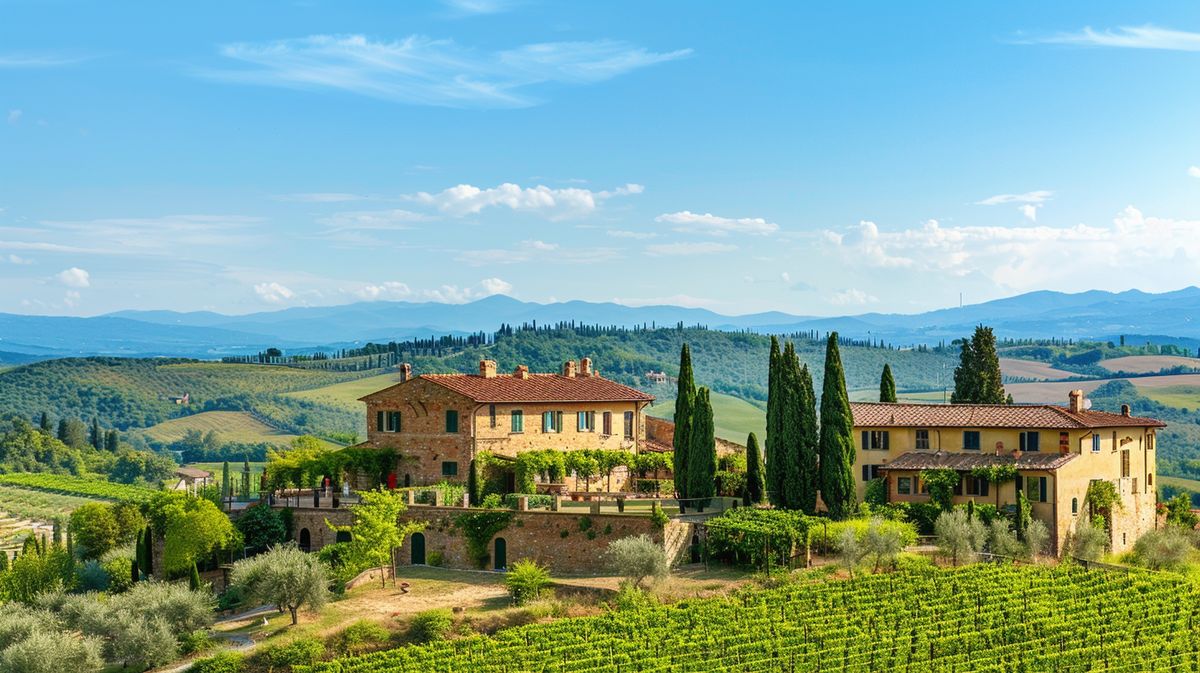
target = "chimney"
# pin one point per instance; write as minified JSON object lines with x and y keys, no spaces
{"x":487,"y":369}
{"x":1125,"y":410}
{"x":569,"y":369}
{"x":405,"y":372}
{"x":1076,"y":402}
{"x":522,"y":372}
{"x":585,"y":367}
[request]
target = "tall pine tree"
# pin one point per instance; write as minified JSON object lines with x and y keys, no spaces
{"x":810,"y":441}
{"x":837,"y":437}
{"x":791,"y":432}
{"x":97,"y":435}
{"x":977,"y":379}
{"x":755,"y":485}
{"x":702,"y":459}
{"x":887,"y":385}
{"x":685,"y":398}
{"x":774,"y":438}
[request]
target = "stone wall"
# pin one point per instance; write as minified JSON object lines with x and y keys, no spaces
{"x":423,"y":442}
{"x":564,"y":542}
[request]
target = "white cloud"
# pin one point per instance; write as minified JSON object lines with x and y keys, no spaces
{"x":528,"y":251}
{"x":320,"y":197}
{"x":636,"y":235}
{"x":685,"y":249}
{"x":496,"y":286}
{"x":1037,"y":197}
{"x":273,"y":293}
{"x":423,"y":71}
{"x":462,"y":200}
{"x":14,"y":116}
{"x":391,"y":290}
{"x":1160,"y":250}
{"x":708,"y":223}
{"x":1029,"y":210}
{"x":17,"y":259}
{"x":74,"y":277}
{"x":71,"y":298}
{"x":852,"y":297}
{"x":1127,"y":37}
{"x":15,"y":61}
{"x":1194,"y":171}
{"x":372,"y":219}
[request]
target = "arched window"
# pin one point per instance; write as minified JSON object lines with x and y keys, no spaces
{"x":305,"y":540}
{"x":1074,"y":505}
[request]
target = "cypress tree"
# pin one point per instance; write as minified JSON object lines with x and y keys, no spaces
{"x":194,"y":578}
{"x":790,"y":432}
{"x":57,"y":531}
{"x":774,"y":480}
{"x":139,"y":552}
{"x":134,"y":575}
{"x":97,"y":435}
{"x":246,"y":478}
{"x":837,"y":442}
{"x":111,"y":441}
{"x":977,"y":378}
{"x":755,"y":485}
{"x":702,"y":459}
{"x":45,"y":425}
{"x":63,"y":431}
{"x":810,"y":441}
{"x":887,"y":385}
{"x":685,"y":399}
{"x":225,"y":484}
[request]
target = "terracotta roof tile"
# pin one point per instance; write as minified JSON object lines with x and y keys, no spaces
{"x":964,"y":461}
{"x":1048,"y":416}
{"x":538,"y":388}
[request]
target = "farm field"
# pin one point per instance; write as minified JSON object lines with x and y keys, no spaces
{"x":230,"y":426}
{"x":1148,"y":364}
{"x":1182,"y":397}
{"x":1055,"y":392}
{"x":346,"y":394}
{"x":921,"y":619}
{"x":35,"y":505}
{"x":734,"y":418}
{"x":1032,"y":369}
{"x":1190,"y":485}
{"x":61,"y":484}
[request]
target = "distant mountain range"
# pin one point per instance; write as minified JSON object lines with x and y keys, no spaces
{"x":1166,"y":317}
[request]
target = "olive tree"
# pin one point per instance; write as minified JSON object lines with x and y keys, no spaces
{"x":882,"y":543}
{"x":1036,"y":537}
{"x":51,"y":652}
{"x":1166,"y":548}
{"x":1090,"y":539}
{"x":284,"y":577}
{"x":959,"y":537}
{"x":637,"y":558}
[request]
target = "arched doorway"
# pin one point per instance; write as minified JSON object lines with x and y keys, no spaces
{"x":343,"y":536}
{"x":305,"y":540}
{"x":407,"y":480}
{"x":418,"y":549}
{"x":500,"y":556}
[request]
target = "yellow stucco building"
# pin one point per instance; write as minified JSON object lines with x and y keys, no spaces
{"x":1057,"y":452}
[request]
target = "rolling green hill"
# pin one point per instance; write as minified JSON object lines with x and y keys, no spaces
{"x":231,"y":426}
{"x":734,"y":418}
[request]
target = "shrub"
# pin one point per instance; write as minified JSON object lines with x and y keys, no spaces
{"x":299,"y":652}
{"x":959,"y":537}
{"x":630,"y":597}
{"x":657,"y":516}
{"x":359,"y":636}
{"x":851,"y":551}
{"x":636,"y":558}
{"x":493,"y":501}
{"x":876,"y":493}
{"x":536,"y":501}
{"x":526,"y":581}
{"x":884,"y":540}
{"x":431,"y":625}
{"x":1090,"y":539}
{"x":923,"y":515}
{"x":1163,"y":549}
{"x":435,"y":558}
{"x":45,"y":652}
{"x":827,"y":536}
{"x":196,"y":641}
{"x":222,"y":662}
{"x":1002,"y":540}
{"x":1036,"y":537}
{"x":91,"y":576}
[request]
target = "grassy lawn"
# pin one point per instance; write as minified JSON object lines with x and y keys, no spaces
{"x":1183,"y":396}
{"x":230,"y":426}
{"x":346,"y":394}
{"x":734,"y":417}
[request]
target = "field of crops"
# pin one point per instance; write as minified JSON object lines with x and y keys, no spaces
{"x":230,"y":426}
{"x":1148,"y":364}
{"x":976,"y":618}
{"x":346,"y":394}
{"x":34,"y":505}
{"x":63,"y":484}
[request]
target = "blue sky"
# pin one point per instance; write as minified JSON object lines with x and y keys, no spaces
{"x":815,"y":159}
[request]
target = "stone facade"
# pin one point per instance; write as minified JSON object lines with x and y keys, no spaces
{"x":537,"y":535}
{"x":437,"y":431}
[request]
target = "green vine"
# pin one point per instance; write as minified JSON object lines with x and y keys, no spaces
{"x":479,"y":529}
{"x":1101,"y":497}
{"x":941,"y":485}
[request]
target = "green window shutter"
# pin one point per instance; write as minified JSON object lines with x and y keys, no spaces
{"x":547,"y":421}
{"x":558,"y":421}
{"x":581,"y":421}
{"x":518,"y":421}
{"x":886,"y":435}
{"x":1042,"y":489}
{"x":866,"y":440}
{"x":379,"y":421}
{"x":451,"y":420}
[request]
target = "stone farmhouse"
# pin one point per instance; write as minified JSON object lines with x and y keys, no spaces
{"x":1057,"y":452}
{"x":438,"y":423}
